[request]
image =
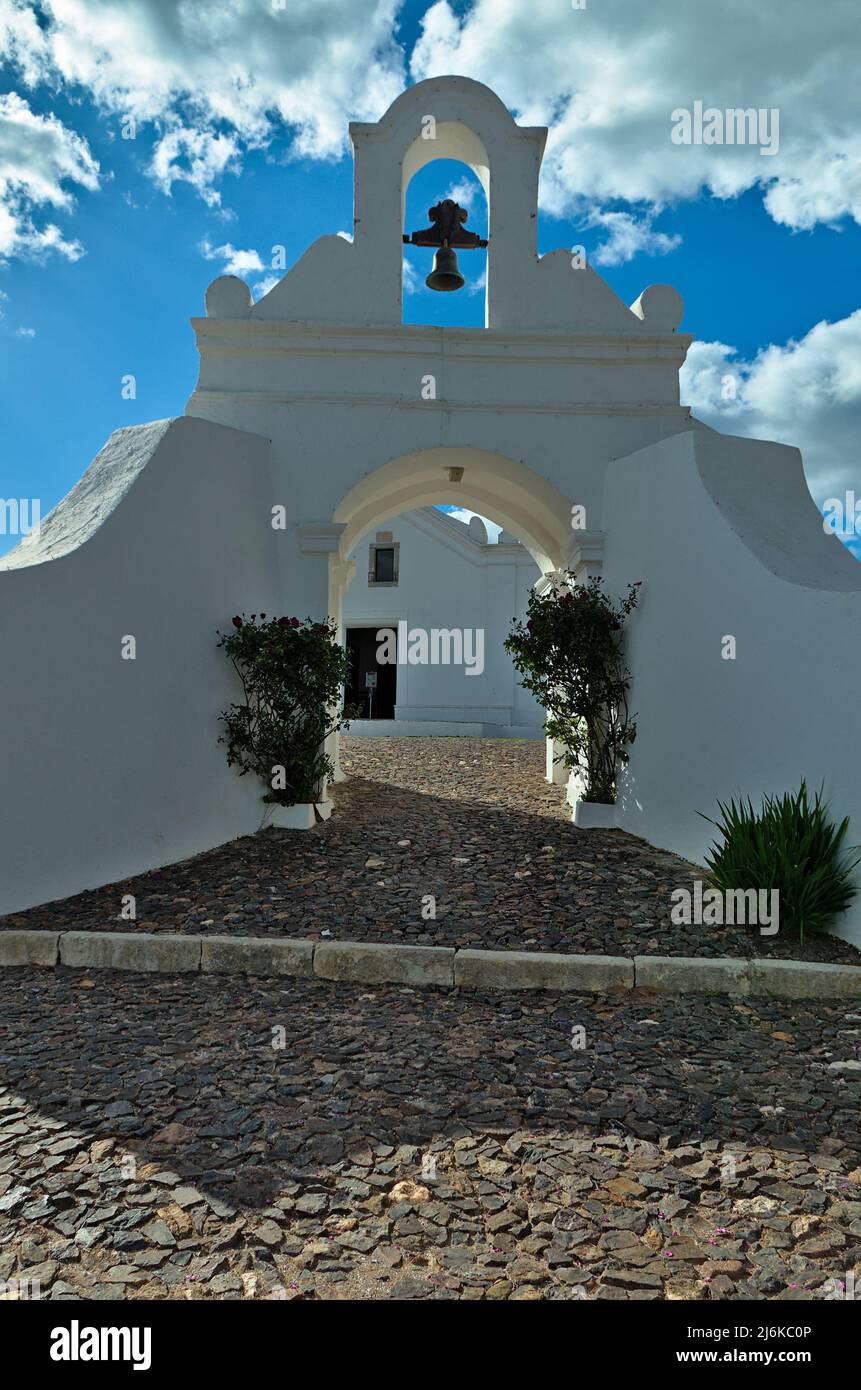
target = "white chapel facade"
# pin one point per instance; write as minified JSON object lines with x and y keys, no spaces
{"x":309,"y":405}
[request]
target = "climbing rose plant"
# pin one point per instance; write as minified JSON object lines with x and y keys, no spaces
{"x":291,"y":674}
{"x":569,"y":654}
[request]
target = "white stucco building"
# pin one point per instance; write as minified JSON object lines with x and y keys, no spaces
{"x":425,"y":571}
{"x":309,"y":412}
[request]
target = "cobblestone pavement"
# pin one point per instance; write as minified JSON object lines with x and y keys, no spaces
{"x":469,"y":822}
{"x":215,"y":1137}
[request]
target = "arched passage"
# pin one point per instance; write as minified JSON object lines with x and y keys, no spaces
{"x":528,"y":505}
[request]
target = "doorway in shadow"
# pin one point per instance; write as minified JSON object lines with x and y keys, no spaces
{"x":372,"y":685}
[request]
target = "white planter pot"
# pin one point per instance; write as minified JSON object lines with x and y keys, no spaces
{"x":303,"y":816}
{"x":594,"y":815}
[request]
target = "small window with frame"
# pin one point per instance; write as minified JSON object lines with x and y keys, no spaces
{"x":383,"y":567}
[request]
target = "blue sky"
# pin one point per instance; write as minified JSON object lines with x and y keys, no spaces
{"x":766,"y":252}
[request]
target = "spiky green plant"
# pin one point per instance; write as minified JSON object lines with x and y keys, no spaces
{"x":793,"y":846}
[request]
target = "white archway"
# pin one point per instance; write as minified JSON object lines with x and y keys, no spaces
{"x":527,"y":505}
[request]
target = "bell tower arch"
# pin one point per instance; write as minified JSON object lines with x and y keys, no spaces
{"x":458,"y":119}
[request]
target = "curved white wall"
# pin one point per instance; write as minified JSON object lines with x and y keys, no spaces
{"x":112,"y":766}
{"x":728,"y":542}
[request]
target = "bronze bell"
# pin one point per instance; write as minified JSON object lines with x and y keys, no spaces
{"x":445,"y":274}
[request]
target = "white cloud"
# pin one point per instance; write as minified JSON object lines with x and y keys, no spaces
{"x":627,"y":236}
{"x":607,"y":78}
{"x":479,"y":284}
{"x":39,"y":159}
{"x":412,"y":281}
{"x":25,"y":332}
{"x":218,"y":78}
{"x":233,"y":261}
{"x":194,"y":156}
{"x":248,"y":265}
{"x":806,"y":393}
{"x":262,"y":287}
{"x":466,"y":192}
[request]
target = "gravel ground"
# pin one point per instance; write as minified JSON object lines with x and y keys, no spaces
{"x":468,"y":822}
{"x":215,"y":1137}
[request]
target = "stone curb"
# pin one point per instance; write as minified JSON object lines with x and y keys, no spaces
{"x":365,"y":962}
{"x":117,"y":950}
{"x":372,"y":963}
{"x":692,"y":974}
{"x":541,"y":970}
{"x":256,"y":955}
{"x":782,"y":979}
{"x":25,"y":947}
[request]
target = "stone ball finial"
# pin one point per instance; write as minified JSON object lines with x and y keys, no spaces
{"x":660,"y":307}
{"x":228,"y":297}
{"x":477,"y":530}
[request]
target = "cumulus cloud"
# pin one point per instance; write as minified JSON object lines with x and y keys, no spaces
{"x":197,"y":157}
{"x":25,"y":332}
{"x":248,"y":265}
{"x":412,"y":281}
{"x":262,"y":287}
{"x":479,"y":284}
{"x":468,"y":193}
{"x":40,"y":160}
{"x":606,"y":80}
{"x":806,"y":392}
{"x":628,"y":235}
{"x":216,"y":78}
{"x":233,"y":261}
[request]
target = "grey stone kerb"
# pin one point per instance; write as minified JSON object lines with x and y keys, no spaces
{"x":362,"y":962}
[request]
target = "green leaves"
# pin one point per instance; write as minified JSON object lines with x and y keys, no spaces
{"x":291,"y":674}
{"x":569,"y":654}
{"x":790,"y":845}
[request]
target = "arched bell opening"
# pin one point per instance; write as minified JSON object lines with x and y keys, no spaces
{"x":445,"y":234}
{"x":445,"y":200}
